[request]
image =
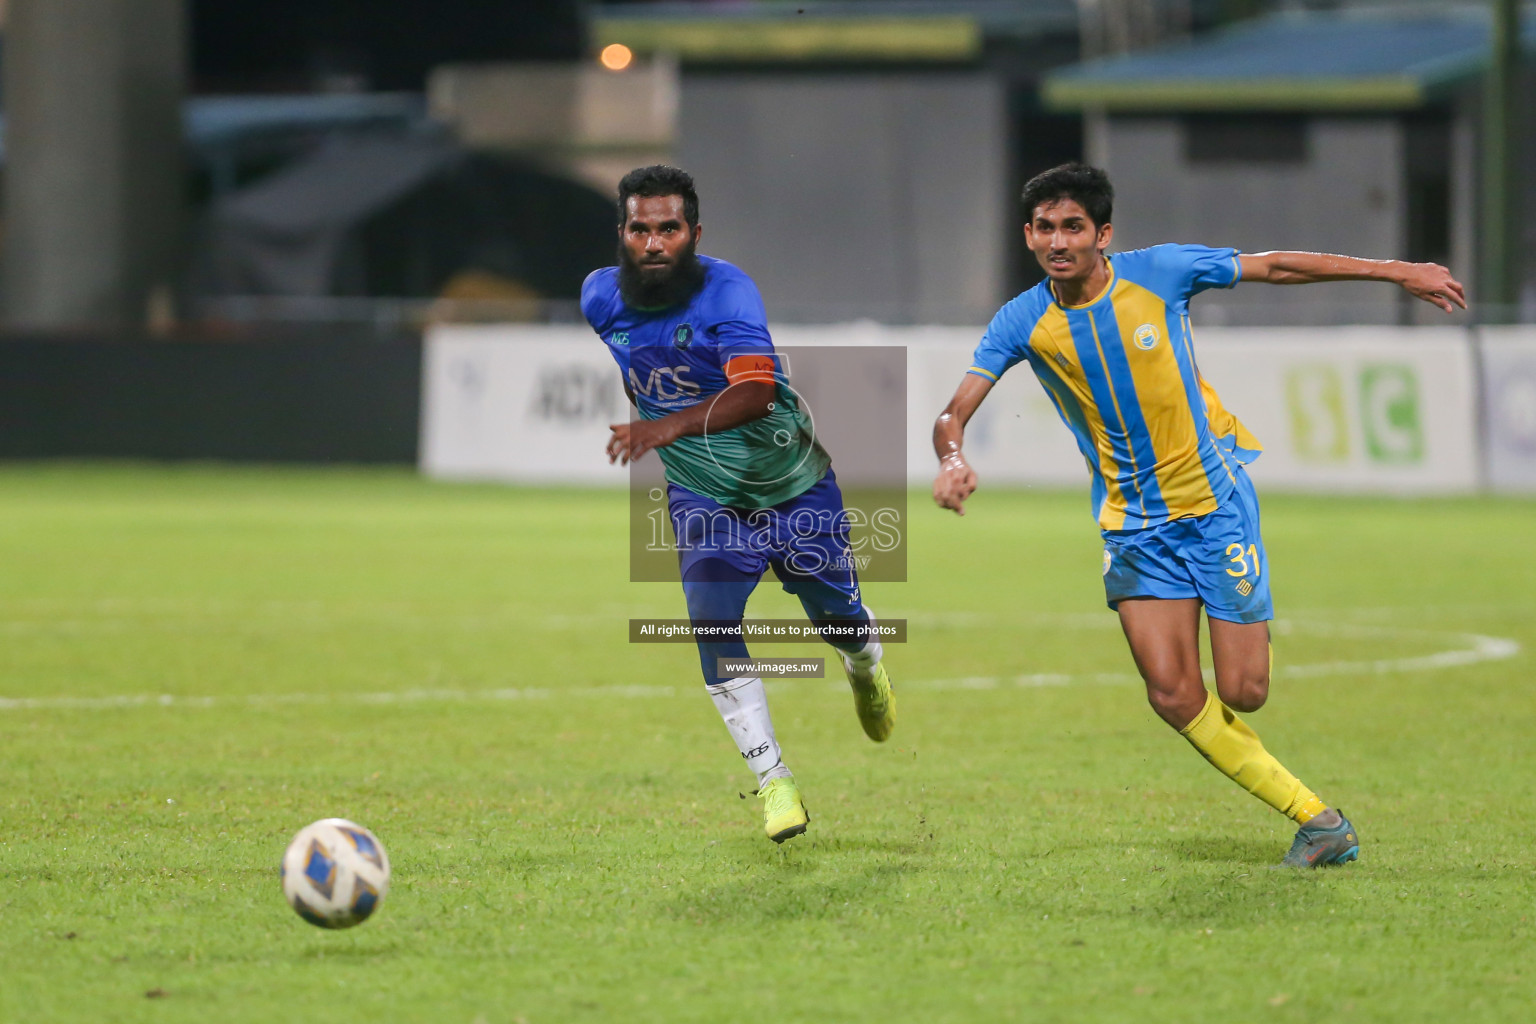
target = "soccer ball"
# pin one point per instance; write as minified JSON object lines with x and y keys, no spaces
{"x":335,"y":873}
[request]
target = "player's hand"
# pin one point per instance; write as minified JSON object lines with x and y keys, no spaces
{"x":955,"y":483}
{"x":632,"y":440}
{"x":1435,"y":285}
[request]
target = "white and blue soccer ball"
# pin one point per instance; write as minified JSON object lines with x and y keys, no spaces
{"x":335,"y":873}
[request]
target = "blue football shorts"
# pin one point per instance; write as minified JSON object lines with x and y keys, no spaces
{"x":804,"y":539}
{"x":1218,"y":558}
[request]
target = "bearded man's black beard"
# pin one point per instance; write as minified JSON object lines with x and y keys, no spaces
{"x":663,"y":291}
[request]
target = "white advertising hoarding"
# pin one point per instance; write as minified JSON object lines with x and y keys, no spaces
{"x":1351,"y":409}
{"x":511,"y":402}
{"x":1337,"y":409}
{"x":1508,"y":366}
{"x":1015,"y":437}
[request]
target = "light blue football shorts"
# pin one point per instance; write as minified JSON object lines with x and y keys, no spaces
{"x":1218,"y":558}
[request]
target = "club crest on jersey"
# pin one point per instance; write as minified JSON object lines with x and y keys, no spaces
{"x":683,"y":336}
{"x":1145,"y":336}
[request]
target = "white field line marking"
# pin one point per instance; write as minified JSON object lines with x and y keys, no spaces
{"x":294,"y":618}
{"x":1474,"y":648}
{"x":166,"y":700}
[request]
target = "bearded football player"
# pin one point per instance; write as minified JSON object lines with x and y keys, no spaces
{"x":748,"y":484}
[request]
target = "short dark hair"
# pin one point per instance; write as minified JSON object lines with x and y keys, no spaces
{"x":659,"y":180}
{"x":1088,"y":187}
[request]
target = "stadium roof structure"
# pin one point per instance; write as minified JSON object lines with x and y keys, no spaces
{"x":828,"y":30}
{"x":1343,"y":60}
{"x":399,"y":216}
{"x":210,"y":120}
{"x":212,"y":123}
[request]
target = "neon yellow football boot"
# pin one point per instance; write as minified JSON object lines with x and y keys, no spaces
{"x":784,"y":815}
{"x":872,"y":699}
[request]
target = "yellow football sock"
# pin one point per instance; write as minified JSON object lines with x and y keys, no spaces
{"x":1237,"y":753}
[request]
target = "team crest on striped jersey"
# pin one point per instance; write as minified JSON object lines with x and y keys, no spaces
{"x":1145,"y":336}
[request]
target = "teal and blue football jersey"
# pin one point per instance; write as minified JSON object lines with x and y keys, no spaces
{"x":677,"y":357}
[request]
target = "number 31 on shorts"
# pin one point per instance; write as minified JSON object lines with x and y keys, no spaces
{"x":1239,"y":556}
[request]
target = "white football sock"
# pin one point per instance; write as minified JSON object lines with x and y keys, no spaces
{"x":868,"y":656}
{"x":743,"y":703}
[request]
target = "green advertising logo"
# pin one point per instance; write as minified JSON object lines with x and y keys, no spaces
{"x":1319,"y":421}
{"x":1389,"y":412}
{"x":1390,"y":422}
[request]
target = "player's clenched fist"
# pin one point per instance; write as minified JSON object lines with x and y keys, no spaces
{"x":955,"y":483}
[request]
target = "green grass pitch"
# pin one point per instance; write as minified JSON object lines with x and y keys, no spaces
{"x":447,"y":664}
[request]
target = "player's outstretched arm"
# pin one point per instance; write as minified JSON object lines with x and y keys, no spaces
{"x":740,"y":403}
{"x":1428,"y":281}
{"x":956,"y":480}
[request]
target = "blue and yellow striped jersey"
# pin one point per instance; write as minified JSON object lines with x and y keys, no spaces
{"x":1121,"y":371}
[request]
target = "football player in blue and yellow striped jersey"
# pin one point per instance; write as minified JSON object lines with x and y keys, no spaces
{"x":1109,"y":338}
